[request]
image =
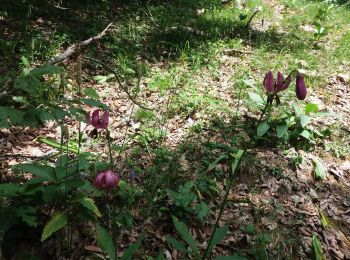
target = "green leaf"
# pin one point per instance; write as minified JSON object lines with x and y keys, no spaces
{"x":281,"y":130}
{"x":316,"y":244}
{"x":256,"y":98}
{"x":28,"y":84}
{"x":90,"y":204}
{"x":28,"y":215}
{"x":8,"y":189}
{"x":177,"y":245}
{"x":56,"y":145}
{"x":94,"y":103}
{"x":182,"y":230}
{"x":46,"y":70}
{"x":202,"y":210}
{"x":219,"y":234}
{"x":304,"y":120}
{"x":58,"y":221}
{"x":43,"y":171}
{"x":319,"y":170}
{"x":298,"y":111}
{"x":324,"y":219}
{"x":213,"y":165}
{"x":91,"y":92}
{"x":105,"y":241}
{"x":132,"y":248}
{"x":311,"y":108}
{"x":306,"y":134}
{"x":262,"y":128}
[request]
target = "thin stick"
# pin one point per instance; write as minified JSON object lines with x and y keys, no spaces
{"x":74,"y":48}
{"x":118,"y":80}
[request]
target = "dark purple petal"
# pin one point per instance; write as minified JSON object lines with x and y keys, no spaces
{"x":95,"y":118}
{"x":287,"y":82}
{"x":104,"y":119}
{"x":300,"y":87}
{"x":269,"y":82}
{"x":279,"y":81}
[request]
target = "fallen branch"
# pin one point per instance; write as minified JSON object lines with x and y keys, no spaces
{"x":73,"y":49}
{"x":105,"y":66}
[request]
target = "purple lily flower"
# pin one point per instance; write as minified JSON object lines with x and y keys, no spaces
{"x":269,"y":82}
{"x":99,"y":122}
{"x":106,"y":180}
{"x":300,"y":87}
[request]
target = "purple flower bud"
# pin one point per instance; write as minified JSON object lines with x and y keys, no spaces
{"x":280,"y":81}
{"x":269,"y":82}
{"x":97,"y":121}
{"x":106,"y":180}
{"x":300,"y":87}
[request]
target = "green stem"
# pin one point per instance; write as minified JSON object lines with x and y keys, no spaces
{"x":110,"y":149}
{"x":234,"y":167}
{"x":238,"y":158}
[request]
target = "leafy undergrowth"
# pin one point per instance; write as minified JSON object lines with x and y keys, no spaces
{"x":196,"y":70}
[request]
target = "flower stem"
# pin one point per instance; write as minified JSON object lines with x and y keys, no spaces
{"x":110,"y":150}
{"x":234,"y":167}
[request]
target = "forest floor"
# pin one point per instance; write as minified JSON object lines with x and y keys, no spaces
{"x":198,"y":63}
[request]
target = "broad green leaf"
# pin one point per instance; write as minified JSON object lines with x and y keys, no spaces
{"x":62,"y":160}
{"x":45,"y":70}
{"x":8,"y":189}
{"x":91,"y":92}
{"x":56,"y":145}
{"x":90,"y":204}
{"x":298,"y":111}
{"x":43,"y":171}
{"x":304,"y":120}
{"x":105,"y":241}
{"x":219,"y":234}
{"x":311,"y":108}
{"x":281,"y":130}
{"x":256,"y":98}
{"x":132,"y":248}
{"x":177,"y":244}
{"x":94,"y":103}
{"x":319,"y":170}
{"x":58,"y":221}
{"x":215,"y":163}
{"x":262,"y":128}
{"x":202,"y":210}
{"x":28,"y":215}
{"x":28,"y":84}
{"x":182,"y":229}
{"x":306,"y":134}
{"x":316,"y":244}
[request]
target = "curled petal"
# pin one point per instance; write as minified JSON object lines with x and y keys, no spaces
{"x":287,"y":82}
{"x":300,"y":87}
{"x":269,"y":82}
{"x":280,"y":81}
{"x":95,"y":118}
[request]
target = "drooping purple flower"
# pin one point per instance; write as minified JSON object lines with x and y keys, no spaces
{"x":106,"y":180}
{"x":269,"y":82}
{"x":300,"y":87}
{"x":99,"y":122}
{"x":281,"y":83}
